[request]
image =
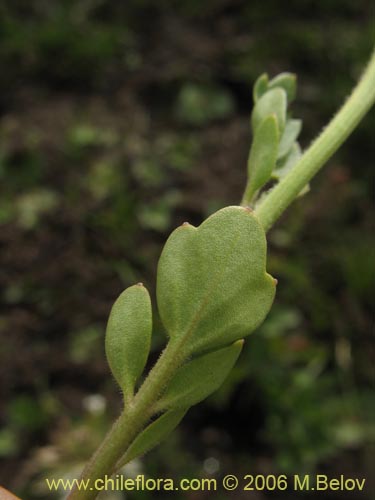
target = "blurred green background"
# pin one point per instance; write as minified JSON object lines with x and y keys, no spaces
{"x":121,"y":120}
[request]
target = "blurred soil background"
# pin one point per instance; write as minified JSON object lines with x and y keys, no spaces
{"x":121,"y":120}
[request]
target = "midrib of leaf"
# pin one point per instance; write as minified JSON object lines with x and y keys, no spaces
{"x":205,"y":301}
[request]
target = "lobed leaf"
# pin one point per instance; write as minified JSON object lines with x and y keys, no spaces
{"x":128,"y":336}
{"x":212,"y":285}
{"x":263,"y":153}
{"x":200,"y":377}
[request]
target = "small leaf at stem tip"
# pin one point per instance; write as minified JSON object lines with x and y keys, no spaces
{"x":263,"y":153}
{"x":153,"y":434}
{"x":212,"y":285}
{"x":260,"y":87}
{"x":128,"y":336}
{"x":291,"y":132}
{"x":200,"y":377}
{"x":284,"y":165}
{"x":274,"y":101}
{"x":286,"y":81}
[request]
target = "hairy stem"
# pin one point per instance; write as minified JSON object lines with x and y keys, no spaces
{"x":130,"y":423}
{"x":331,"y":138}
{"x":138,"y":412}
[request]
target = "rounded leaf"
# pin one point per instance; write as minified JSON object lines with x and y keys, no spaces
{"x":212,"y":285}
{"x":128,"y":336}
{"x":286,"y":81}
{"x":274,"y":101}
{"x":260,"y":86}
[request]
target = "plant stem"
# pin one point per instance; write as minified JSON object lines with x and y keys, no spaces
{"x":139,"y":411}
{"x":129,"y":424}
{"x":331,"y":138}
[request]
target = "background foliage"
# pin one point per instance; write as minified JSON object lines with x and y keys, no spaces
{"x":121,"y":120}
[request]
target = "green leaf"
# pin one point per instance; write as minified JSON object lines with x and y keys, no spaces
{"x":128,"y":336}
{"x":286,"y":164}
{"x":200,"y":377}
{"x":153,"y":434}
{"x":274,"y":101}
{"x":291,"y":132}
{"x":263,"y":155}
{"x":260,"y":86}
{"x":286,"y":81}
{"x":212,"y":285}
